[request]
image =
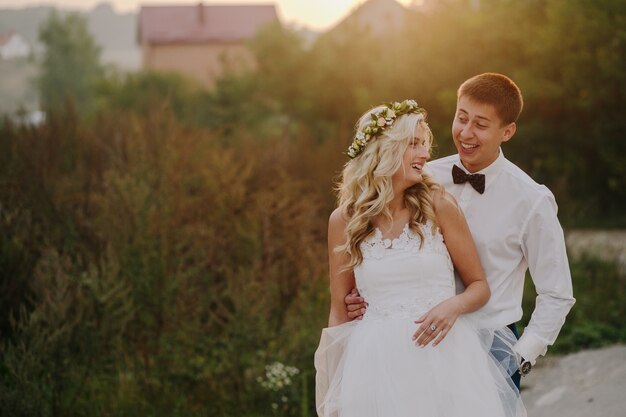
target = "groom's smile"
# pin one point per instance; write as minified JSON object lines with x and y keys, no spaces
{"x":478,"y":132}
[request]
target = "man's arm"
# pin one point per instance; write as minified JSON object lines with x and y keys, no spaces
{"x":355,"y":304}
{"x":543,"y":245}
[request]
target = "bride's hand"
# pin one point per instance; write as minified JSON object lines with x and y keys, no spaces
{"x":441,"y":318}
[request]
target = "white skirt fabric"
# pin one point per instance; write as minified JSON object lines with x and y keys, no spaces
{"x":372,"y":368}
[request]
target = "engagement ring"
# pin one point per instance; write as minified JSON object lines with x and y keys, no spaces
{"x":432,"y":328}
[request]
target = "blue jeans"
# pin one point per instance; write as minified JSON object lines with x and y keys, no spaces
{"x":501,"y":356}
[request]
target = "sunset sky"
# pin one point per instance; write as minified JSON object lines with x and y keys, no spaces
{"x":315,"y":14}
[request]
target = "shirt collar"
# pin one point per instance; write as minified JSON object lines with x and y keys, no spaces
{"x":491,"y":171}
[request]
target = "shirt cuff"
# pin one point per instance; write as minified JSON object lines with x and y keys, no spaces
{"x":530,"y":347}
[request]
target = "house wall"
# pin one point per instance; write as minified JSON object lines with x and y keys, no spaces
{"x":16,"y":47}
{"x":203,"y":62}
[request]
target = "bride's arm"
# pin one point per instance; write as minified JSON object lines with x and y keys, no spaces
{"x":462,"y":249}
{"x":460,"y":244}
{"x":341,"y":282}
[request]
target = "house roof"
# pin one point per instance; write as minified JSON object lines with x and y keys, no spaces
{"x":380,"y":16}
{"x":6,"y":37}
{"x":201,"y":23}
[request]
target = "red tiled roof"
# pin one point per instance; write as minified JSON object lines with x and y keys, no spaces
{"x":200,"y":23}
{"x":6,"y":36}
{"x":380,"y":16}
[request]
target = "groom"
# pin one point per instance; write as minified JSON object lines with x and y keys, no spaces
{"x":512,"y":218}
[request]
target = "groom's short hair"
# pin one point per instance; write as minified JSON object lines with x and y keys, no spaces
{"x":497,"y":90}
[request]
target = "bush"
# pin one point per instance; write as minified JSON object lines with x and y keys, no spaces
{"x":597,"y":317}
{"x":178,"y":262}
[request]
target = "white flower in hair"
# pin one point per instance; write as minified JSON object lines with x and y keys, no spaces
{"x":379,"y":122}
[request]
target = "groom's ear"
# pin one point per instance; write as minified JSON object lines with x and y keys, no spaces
{"x":509,"y":131}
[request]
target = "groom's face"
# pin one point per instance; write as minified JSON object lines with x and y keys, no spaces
{"x":478,"y":132}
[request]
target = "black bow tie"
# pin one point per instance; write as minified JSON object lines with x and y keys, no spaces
{"x":477,"y":181}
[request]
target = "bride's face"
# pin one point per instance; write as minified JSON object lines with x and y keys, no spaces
{"x":413,"y":160}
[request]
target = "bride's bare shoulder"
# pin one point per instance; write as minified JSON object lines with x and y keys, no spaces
{"x":337,"y":223}
{"x":337,"y":219}
{"x":446,"y":207}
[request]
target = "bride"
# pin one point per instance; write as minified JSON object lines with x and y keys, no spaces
{"x":417,"y":351}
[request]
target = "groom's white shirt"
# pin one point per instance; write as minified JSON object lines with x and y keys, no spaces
{"x":515,"y":228}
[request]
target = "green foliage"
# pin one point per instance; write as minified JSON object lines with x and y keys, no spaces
{"x":145,"y":92}
{"x":73,"y":334}
{"x":71,"y":63}
{"x":597,"y":317}
{"x":280,"y":56}
{"x":575,"y":123}
{"x":188,"y":288}
{"x":162,"y":244}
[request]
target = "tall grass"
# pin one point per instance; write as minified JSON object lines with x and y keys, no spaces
{"x":156,"y":269}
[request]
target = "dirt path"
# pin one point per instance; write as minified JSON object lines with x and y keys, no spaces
{"x":609,"y":245}
{"x":591,"y":383}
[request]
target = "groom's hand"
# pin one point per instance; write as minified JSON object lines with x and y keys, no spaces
{"x":355,"y":304}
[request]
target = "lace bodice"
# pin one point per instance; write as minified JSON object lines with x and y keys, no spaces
{"x":375,"y":246}
{"x":398,"y":277}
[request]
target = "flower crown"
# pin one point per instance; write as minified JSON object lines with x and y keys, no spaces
{"x":380,"y":121}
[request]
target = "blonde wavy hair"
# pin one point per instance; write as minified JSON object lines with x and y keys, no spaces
{"x":365,"y":190}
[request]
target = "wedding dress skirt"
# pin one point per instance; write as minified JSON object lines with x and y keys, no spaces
{"x":372,"y":368}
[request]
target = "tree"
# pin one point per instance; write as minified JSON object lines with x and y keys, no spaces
{"x":574,"y":120}
{"x":71,"y":63}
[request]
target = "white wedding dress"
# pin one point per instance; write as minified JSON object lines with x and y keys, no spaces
{"x":372,"y":368}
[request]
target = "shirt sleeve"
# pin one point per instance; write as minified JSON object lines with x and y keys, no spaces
{"x":543,"y":246}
